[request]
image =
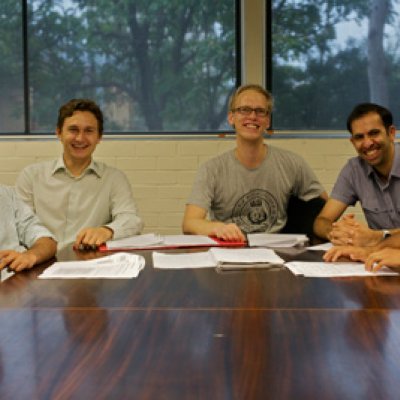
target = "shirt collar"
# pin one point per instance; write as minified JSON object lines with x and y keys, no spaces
{"x":92,"y":167}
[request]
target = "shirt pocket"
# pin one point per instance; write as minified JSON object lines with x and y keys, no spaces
{"x":378,"y":214}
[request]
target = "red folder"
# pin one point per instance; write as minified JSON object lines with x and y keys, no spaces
{"x":218,"y":243}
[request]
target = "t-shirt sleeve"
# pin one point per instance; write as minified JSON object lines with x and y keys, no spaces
{"x":202,"y":193}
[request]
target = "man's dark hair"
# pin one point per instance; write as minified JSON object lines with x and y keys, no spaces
{"x":365,"y":108}
{"x":73,"y":105}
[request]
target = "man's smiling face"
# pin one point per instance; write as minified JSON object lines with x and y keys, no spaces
{"x":253,"y":126}
{"x":79,"y":136}
{"x":372,"y":141}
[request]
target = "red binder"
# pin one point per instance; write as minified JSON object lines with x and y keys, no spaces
{"x":218,"y":243}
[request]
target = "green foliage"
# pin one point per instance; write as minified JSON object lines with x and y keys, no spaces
{"x":316,"y":84}
{"x":169,"y":64}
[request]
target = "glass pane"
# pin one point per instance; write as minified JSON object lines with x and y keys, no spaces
{"x":328,"y":56}
{"x":164,"y":65}
{"x":11,"y":68}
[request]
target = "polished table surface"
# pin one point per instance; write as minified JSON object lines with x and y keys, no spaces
{"x":200,"y":334}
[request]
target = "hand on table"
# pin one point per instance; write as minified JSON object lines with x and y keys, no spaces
{"x":16,"y":260}
{"x":91,"y":238}
{"x":386,"y":257}
{"x":229,"y":232}
{"x":353,"y":253}
{"x":349,"y":231}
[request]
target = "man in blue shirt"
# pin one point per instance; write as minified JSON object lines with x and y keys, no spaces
{"x":372,"y":178}
{"x":24,"y":242}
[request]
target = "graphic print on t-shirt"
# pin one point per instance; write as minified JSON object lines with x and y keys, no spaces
{"x":256,"y":211}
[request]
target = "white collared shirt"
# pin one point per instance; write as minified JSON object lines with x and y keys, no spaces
{"x":100,"y":196}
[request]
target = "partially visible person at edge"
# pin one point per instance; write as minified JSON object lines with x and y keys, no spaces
{"x":247,"y":189}
{"x":24,"y":241}
{"x":372,"y":178}
{"x":385,"y":253}
{"x":80,"y":200}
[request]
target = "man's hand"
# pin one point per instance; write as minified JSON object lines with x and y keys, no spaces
{"x":228,"y":232}
{"x":386,"y":257}
{"x":349,"y":231}
{"x":353,"y":253}
{"x":17,"y":261}
{"x":93,"y":237}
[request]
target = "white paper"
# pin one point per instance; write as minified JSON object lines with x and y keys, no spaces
{"x":116,"y":266}
{"x":183,"y":261}
{"x":216,"y":257}
{"x":324,"y":246}
{"x":151,"y":240}
{"x":6,"y":273}
{"x":245,"y":256}
{"x":138,"y":241}
{"x":188,"y":240}
{"x":276,"y":239}
{"x":334,"y":269}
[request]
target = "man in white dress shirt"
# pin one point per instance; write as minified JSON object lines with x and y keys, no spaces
{"x":80,"y":200}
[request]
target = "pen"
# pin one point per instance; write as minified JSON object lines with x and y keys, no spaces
{"x":87,"y":247}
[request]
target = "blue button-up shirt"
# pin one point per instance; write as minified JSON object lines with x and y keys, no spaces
{"x":380,"y":200}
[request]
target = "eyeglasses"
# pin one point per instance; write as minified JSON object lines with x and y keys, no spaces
{"x":260,"y":112}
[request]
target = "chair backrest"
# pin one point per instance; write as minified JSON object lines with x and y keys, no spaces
{"x":301,"y":215}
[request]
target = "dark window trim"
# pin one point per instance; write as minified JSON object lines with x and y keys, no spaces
{"x":25,"y":59}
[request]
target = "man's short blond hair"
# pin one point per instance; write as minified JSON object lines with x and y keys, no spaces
{"x":256,"y":88}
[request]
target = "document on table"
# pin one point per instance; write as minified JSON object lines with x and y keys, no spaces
{"x":116,"y":266}
{"x":154,"y":241}
{"x":276,"y":239}
{"x":218,"y":257}
{"x":138,"y":241}
{"x":5,"y":273}
{"x":334,"y":269}
{"x":324,"y":246}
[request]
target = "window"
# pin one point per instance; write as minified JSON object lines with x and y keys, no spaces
{"x":153,"y":66}
{"x":327,"y":56}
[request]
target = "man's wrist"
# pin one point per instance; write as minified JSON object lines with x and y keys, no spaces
{"x":386,"y":234}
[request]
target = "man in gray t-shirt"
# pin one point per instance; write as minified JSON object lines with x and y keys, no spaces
{"x":247,"y":189}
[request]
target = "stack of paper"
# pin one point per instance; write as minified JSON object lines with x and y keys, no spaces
{"x":276,"y":239}
{"x":154,"y":241}
{"x":116,"y":266}
{"x":218,"y":257}
{"x":133,"y":242}
{"x":333,"y":269}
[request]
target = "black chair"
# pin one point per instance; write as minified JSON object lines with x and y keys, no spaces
{"x":301,"y":215}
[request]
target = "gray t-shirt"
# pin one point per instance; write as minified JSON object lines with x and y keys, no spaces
{"x":254,"y":199}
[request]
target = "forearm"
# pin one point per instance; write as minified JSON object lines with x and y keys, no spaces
{"x":322,"y":227}
{"x":200,"y":226}
{"x":42,"y":250}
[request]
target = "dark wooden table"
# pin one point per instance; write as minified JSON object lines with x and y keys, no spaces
{"x":199,"y":334}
